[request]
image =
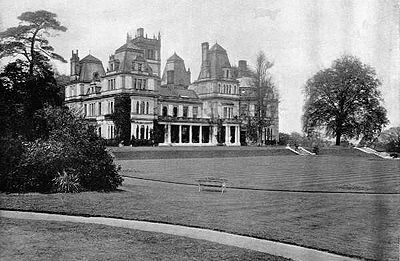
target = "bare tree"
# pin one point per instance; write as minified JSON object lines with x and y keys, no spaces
{"x":266,"y":94}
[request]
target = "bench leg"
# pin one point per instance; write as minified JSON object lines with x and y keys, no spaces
{"x":199,"y":188}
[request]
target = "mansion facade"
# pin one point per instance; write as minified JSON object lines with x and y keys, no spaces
{"x":214,"y":109}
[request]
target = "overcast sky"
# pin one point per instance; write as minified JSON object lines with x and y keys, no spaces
{"x":299,"y":36}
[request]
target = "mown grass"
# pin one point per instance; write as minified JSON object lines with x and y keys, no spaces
{"x":366,"y":226}
{"x":49,"y":241}
{"x":356,"y":225}
{"x":326,"y":173}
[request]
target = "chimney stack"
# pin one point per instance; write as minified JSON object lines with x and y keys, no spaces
{"x":140,"y":32}
{"x":204,"y":51}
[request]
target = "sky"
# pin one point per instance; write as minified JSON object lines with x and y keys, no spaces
{"x":301,"y":37}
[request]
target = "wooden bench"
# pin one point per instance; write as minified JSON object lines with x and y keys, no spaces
{"x":212,"y":182}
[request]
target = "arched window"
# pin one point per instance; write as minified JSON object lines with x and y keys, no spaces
{"x":137,"y":132}
{"x":147,"y":132}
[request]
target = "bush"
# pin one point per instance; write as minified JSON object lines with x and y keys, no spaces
{"x":69,"y":152}
{"x":11,"y":151}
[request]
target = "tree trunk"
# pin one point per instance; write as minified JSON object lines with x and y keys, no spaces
{"x":338,"y":134}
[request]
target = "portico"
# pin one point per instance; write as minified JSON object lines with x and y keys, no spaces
{"x":198,"y":134}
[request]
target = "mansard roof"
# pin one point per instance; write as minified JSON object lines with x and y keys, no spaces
{"x":129,"y":46}
{"x":90,"y":59}
{"x":90,"y":68}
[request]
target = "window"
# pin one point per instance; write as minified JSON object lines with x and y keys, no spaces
{"x":175,"y":112}
{"x":147,"y":107}
{"x":164,"y":111}
{"x":111,"y":84}
{"x":135,"y":83}
{"x":139,"y":86}
{"x":110,"y":107}
{"x":142,"y":107}
{"x":139,"y":67}
{"x":195,"y":112}
{"x":170,"y":77}
{"x":99,"y":108}
{"x":185,"y":111}
{"x":144,"y":84}
{"x":225,"y":112}
{"x":85,"y":109}
{"x":137,"y":107}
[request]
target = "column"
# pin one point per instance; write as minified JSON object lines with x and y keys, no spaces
{"x":165,"y":133}
{"x":169,"y":134}
{"x":180,"y":133}
{"x":190,"y":134}
{"x":227,"y":136}
{"x":213,"y":134}
{"x":237,"y":141}
{"x":201,"y":134}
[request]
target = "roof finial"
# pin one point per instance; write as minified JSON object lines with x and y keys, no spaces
{"x":89,"y":52}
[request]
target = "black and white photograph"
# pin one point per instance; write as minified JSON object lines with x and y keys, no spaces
{"x":213,"y":130}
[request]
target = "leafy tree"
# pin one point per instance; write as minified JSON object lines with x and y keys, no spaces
{"x":122,"y":118}
{"x":389,"y":140}
{"x":21,"y":95}
{"x":28,"y":39}
{"x":344,"y":99}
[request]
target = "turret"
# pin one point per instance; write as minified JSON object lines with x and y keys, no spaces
{"x":74,"y":63}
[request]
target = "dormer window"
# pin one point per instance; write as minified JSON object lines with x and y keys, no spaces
{"x":139,"y":67}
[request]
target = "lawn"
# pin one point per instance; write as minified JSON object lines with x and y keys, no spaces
{"x":48,"y":241}
{"x":326,"y":173}
{"x":362,"y":225}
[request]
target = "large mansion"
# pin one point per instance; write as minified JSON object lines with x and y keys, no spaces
{"x":214,"y":109}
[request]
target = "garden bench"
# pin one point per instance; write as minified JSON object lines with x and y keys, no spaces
{"x":212,"y":182}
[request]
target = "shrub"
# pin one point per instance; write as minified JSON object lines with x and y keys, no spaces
{"x":68,"y":146}
{"x":11,"y":151}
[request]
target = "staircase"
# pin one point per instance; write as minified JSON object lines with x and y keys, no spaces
{"x":383,"y":155}
{"x":300,"y":151}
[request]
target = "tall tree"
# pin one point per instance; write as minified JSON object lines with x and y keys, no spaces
{"x":266,"y":95}
{"x":29,"y":38}
{"x":345,"y":100}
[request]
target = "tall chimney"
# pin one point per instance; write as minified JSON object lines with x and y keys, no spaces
{"x":140,"y":32}
{"x":74,"y":63}
{"x":204,"y":51}
{"x":242,"y":65}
